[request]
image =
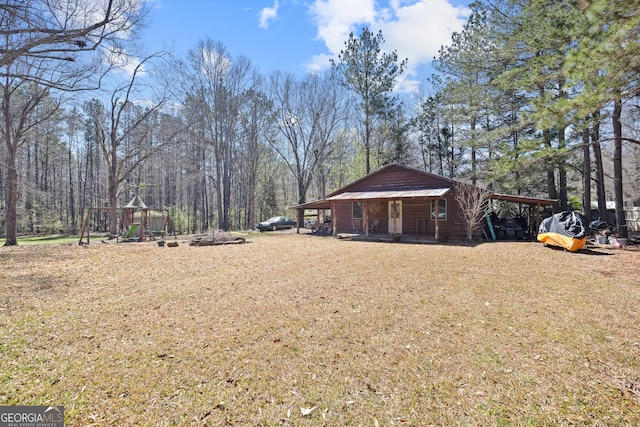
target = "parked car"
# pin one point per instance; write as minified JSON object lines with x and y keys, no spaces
{"x":276,"y":223}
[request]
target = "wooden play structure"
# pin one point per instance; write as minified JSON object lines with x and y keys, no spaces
{"x":137,"y":222}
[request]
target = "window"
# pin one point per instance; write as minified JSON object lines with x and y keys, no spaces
{"x":442,"y":209}
{"x":394,"y":209}
{"x":356,"y":210}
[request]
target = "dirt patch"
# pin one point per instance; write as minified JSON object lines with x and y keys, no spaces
{"x":305,"y":330}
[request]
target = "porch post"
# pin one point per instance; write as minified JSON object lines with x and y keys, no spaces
{"x":437,"y":214}
{"x":334,"y":220}
{"x":365,"y":207}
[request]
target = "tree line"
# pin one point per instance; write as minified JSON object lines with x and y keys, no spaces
{"x":532,"y":97}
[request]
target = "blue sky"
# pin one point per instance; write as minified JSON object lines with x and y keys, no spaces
{"x":300,"y":36}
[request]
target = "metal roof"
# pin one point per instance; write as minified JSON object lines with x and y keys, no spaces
{"x":136,"y":202}
{"x":390,"y":194}
{"x":524,"y":200}
{"x":408,"y":194}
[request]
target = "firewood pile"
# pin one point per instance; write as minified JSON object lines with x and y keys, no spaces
{"x":212,"y":239}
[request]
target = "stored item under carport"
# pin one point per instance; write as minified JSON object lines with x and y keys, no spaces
{"x":567,"y":230}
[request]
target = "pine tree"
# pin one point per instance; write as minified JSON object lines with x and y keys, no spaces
{"x":371,"y":75}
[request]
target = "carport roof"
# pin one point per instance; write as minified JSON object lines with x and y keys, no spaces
{"x":523,"y":200}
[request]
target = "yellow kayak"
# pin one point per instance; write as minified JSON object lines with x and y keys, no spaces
{"x":569,"y":243}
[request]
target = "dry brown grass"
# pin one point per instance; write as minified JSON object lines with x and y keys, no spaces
{"x":304,"y":331}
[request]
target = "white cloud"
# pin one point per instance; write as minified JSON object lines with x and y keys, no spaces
{"x":416,"y":29}
{"x":335,"y":19}
{"x":318,"y":62}
{"x":268,"y":14}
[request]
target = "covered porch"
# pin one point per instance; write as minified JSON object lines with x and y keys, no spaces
{"x":380,"y":215}
{"x":406,"y":215}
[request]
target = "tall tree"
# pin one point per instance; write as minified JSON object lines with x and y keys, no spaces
{"x":605,"y":62}
{"x":371,"y":74}
{"x":256,"y":125}
{"x":220,"y":85}
{"x":394,"y":146}
{"x":468,"y":66}
{"x":73,"y":126}
{"x":18,"y":110}
{"x":536,"y":44}
{"x":308,"y":114}
{"x":124,"y":138}
{"x":428,"y":123}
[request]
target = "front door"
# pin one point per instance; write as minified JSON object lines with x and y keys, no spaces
{"x":395,"y":216}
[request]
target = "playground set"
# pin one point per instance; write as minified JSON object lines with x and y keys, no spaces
{"x":137,"y":223}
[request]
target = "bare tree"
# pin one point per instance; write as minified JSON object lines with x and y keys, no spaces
{"x":308,"y":114}
{"x":40,"y":45}
{"x":473,"y":204}
{"x":220,"y":86}
{"x":51,"y":36}
{"x":19,"y":118}
{"x":124,"y":138}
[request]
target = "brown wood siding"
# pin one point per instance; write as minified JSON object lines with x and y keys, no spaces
{"x":415,"y":212}
{"x":343,"y":222}
{"x":415,"y":219}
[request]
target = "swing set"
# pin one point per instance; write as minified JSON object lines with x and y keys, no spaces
{"x":137,"y":223}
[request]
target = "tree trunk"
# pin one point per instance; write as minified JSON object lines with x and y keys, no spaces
{"x":474,"y":161}
{"x":617,"y":169}
{"x":551,"y":177}
{"x":597,"y":155}
{"x":12,"y":174}
{"x":113,"y":185}
{"x":218,"y":189}
{"x":562,"y":172}
{"x":586,"y":174}
{"x":72,"y":203}
{"x":367,"y":143}
{"x":33,"y":183}
{"x":12,"y":199}
{"x":226,"y":194}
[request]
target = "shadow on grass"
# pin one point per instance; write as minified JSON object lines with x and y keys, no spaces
{"x":594,"y":252}
{"x":583,"y":251}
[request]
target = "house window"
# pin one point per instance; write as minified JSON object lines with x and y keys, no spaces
{"x":356,"y":210}
{"x":442,"y":209}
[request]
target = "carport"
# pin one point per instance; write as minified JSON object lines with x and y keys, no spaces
{"x":533,"y":211}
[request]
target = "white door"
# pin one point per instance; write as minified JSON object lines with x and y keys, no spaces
{"x":395,"y":216}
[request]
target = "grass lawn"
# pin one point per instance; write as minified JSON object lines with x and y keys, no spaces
{"x":45,"y":239}
{"x":302,"y":330}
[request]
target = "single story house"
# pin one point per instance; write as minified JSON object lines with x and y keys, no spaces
{"x":400,"y":200}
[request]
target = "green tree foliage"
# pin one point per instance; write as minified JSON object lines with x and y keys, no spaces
{"x":371,"y":75}
{"x":467,"y":66}
{"x":521,"y":82}
{"x":604,"y":63}
{"x":526,"y":93}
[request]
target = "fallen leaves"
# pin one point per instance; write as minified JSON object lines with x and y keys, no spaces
{"x":390,"y":330}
